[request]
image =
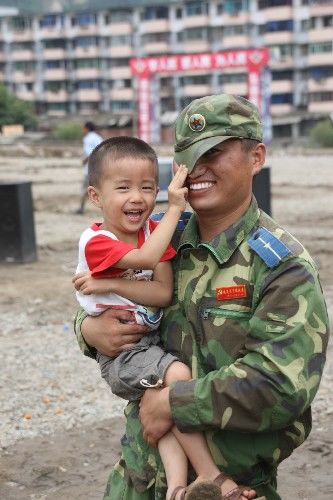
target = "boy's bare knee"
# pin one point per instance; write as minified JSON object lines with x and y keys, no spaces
{"x":177,"y":371}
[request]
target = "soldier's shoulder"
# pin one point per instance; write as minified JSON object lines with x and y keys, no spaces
{"x":274,"y":244}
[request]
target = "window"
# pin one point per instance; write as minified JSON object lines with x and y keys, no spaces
{"x":219,"y":9}
{"x":280,"y":51}
{"x":195,"y":34}
{"x":196,"y":8}
{"x":238,"y":29}
{"x":232,"y":78}
{"x":327,"y":21}
{"x":321,"y":96}
{"x":85,"y":41}
{"x":195,"y":80}
{"x":53,"y":64}
{"x":265,"y":4}
{"x":179,"y":13}
{"x":282,"y":75}
{"x":321,"y":72}
{"x":150,"y":13}
{"x":55,"y":86}
{"x":88,"y":84}
{"x":155,"y":37}
{"x":285,"y":98}
{"x":118,"y":16}
{"x":232,"y":7}
{"x":50,"y":21}
{"x":320,"y":48}
{"x":284,"y":25}
{"x":20,"y":23}
{"x":87,"y":63}
{"x":119,"y":40}
{"x":57,"y":43}
{"x":83,"y":19}
{"x":122,"y":105}
{"x":22,"y":46}
{"x":26,"y":66}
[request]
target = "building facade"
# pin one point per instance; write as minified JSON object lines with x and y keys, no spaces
{"x":73,"y":57}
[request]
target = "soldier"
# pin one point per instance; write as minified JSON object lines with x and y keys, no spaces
{"x":248,"y":317}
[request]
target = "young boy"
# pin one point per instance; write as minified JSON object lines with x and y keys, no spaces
{"x":135,"y":253}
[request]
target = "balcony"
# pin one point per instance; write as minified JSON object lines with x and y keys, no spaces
{"x":196,"y":21}
{"x":57,"y":96}
{"x":85,"y":52}
{"x":114,"y":29}
{"x":235,"y":88}
{"x":155,"y":26}
{"x":122,"y":94}
{"x":318,"y":59}
{"x":196,"y":90}
{"x":26,"y":95}
{"x":156,"y":48}
{"x":321,"y":35}
{"x":57,"y":54}
{"x":278,"y":13}
{"x":321,"y":10}
{"x":278,"y":38}
{"x":322,"y":85}
{"x":196,"y":46}
{"x":120,"y":72}
{"x":55,"y":74}
{"x":86,"y":73}
{"x":281,"y":86}
{"x":238,"y":41}
{"x":88,"y":95}
{"x":84,"y":30}
{"x":240,"y":17}
{"x":120,"y":51}
{"x":23,"y":76}
{"x":22,"y":36}
{"x":22,"y":55}
{"x":281,"y":109}
{"x":321,"y":107}
{"x":51,"y":32}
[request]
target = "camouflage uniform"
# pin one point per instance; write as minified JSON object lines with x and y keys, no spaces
{"x":254,"y":332}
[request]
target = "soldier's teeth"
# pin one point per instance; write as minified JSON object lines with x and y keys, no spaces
{"x":201,"y":185}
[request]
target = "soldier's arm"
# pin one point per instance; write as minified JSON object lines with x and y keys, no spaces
{"x":109,"y":333}
{"x":276,"y":378}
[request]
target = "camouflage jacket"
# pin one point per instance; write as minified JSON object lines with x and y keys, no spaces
{"x":254,"y":335}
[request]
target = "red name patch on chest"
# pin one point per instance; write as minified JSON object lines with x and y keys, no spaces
{"x":231,"y":292}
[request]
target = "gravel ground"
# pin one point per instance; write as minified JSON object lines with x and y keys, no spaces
{"x":50,"y":392}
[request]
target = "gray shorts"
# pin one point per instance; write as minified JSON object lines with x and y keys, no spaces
{"x":137,"y":368}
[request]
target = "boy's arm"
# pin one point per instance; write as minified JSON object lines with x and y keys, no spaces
{"x":149,"y":255}
{"x":157,"y":292}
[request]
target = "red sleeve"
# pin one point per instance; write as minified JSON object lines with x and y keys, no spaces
{"x":103,"y":252}
{"x":170,"y":251}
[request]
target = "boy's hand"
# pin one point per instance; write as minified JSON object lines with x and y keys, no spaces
{"x":177,"y":192}
{"x":86,"y":284}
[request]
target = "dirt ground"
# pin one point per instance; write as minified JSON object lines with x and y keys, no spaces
{"x":73,"y":461}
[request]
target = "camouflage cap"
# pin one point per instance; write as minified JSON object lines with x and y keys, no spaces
{"x":207,"y":121}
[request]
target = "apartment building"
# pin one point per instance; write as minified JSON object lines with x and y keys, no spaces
{"x":73,"y":57}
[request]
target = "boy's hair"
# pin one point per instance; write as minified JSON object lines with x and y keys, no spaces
{"x":114,"y":149}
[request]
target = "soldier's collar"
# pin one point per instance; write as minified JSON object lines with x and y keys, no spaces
{"x":224,"y":245}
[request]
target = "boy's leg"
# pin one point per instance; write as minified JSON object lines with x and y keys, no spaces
{"x":194,"y":444}
{"x":174,"y":461}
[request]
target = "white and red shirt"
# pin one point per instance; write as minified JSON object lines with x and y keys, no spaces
{"x":99,"y":251}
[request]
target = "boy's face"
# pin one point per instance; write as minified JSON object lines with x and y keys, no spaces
{"x":126,"y":195}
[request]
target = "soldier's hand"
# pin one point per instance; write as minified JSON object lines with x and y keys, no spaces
{"x":111,"y":333}
{"x":155,"y":414}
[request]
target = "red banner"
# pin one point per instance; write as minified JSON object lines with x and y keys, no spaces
{"x":146,"y":66}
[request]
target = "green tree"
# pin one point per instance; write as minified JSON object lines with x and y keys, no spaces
{"x":14,"y":110}
{"x":322,"y":134}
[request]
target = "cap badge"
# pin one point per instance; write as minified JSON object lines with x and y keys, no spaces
{"x":197,"y":122}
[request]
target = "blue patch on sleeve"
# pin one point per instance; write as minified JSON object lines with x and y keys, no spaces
{"x":268,"y":247}
{"x":181,"y":223}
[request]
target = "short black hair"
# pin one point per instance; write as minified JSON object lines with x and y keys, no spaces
{"x":248,"y":144}
{"x":115,"y":149}
{"x":90,"y":126}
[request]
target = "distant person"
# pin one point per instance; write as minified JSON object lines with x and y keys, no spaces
{"x":134,"y":252}
{"x":90,"y":140}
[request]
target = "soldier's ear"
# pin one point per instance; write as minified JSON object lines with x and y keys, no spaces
{"x":258,"y":157}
